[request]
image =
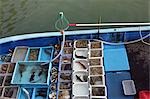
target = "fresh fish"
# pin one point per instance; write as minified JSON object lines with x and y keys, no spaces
{"x":83,"y":57}
{"x":82,"y":65}
{"x":78,"y":78}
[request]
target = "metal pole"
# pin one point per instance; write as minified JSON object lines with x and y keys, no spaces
{"x":110,"y":24}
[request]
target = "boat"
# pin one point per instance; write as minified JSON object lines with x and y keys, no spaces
{"x":81,"y":64}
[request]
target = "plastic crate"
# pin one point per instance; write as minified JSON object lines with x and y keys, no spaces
{"x":31,"y":73}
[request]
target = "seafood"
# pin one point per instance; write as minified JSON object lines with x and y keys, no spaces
{"x":3,"y":68}
{"x":68,"y":44}
{"x":1,"y":80}
{"x":66,"y":59}
{"x":96,"y":71}
{"x":96,"y":80}
{"x":11,"y":68}
{"x":82,"y":78}
{"x":1,"y":90}
{"x":68,"y":50}
{"x":7,"y":80}
{"x":22,"y":68}
{"x":57,"y":46}
{"x":78,"y":78}
{"x":64,"y":85}
{"x":54,"y":74}
{"x":95,"y":62}
{"x":66,"y":67}
{"x":95,"y":45}
{"x":33,"y":54}
{"x":96,"y":53}
{"x":32,"y":76}
{"x":10,"y":92}
{"x":82,"y":44}
{"x":82,"y":57}
{"x":65,"y":76}
{"x":52,"y":95}
{"x":98,"y":91}
{"x":81,"y":64}
{"x":64,"y":95}
{"x":53,"y":87}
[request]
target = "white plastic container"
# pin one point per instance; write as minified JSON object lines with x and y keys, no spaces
{"x":81,"y":43}
{"x":95,"y":70}
{"x":80,"y":76}
{"x":81,"y":89}
{"x":97,"y":80}
{"x":96,"y":61}
{"x":96,"y":45}
{"x":80,"y":54}
{"x":95,"y":53}
{"x":129,"y":87}
{"x":98,"y":91}
{"x":80,"y":65}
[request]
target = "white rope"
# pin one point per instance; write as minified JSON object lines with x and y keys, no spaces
{"x":142,"y":37}
{"x":26,"y":92}
{"x":121,"y":43}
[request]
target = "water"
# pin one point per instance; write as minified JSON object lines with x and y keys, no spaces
{"x":28,"y":16}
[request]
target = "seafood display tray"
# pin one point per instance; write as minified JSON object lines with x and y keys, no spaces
{"x":31,"y":73}
{"x":19,"y":54}
{"x":88,"y":71}
{"x":64,"y":85}
{"x":6,"y":89}
{"x":34,"y":93}
{"x":22,"y":53}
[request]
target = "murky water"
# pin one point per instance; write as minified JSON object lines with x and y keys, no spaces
{"x":27,"y":16}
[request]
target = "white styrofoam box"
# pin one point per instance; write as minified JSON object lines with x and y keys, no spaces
{"x":80,"y":89}
{"x":97,"y":80}
{"x":95,"y":53}
{"x":19,"y":54}
{"x":82,"y":75}
{"x":85,"y":43}
{"x":80,"y":64}
{"x":96,"y":45}
{"x":98,"y":91}
{"x":81,"y":53}
{"x":96,"y":70}
{"x":129,"y":87}
{"x":96,"y":61}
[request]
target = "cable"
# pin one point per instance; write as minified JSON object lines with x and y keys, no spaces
{"x":143,"y":39}
{"x":26,"y":92}
{"x":60,"y":25}
{"x":62,"y":46}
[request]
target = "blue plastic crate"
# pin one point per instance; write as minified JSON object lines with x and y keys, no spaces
{"x":34,"y":92}
{"x":31,"y":73}
{"x":46,"y":53}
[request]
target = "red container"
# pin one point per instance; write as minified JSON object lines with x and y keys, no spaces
{"x":145,"y":94}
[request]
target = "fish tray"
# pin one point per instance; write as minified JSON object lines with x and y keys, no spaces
{"x":31,"y":73}
{"x":46,"y":53}
{"x":19,"y":54}
{"x":34,"y":93}
{"x":33,"y":54}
